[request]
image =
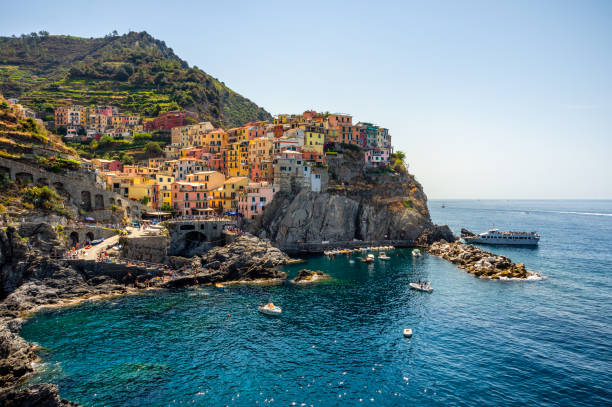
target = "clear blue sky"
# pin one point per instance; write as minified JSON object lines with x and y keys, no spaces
{"x":489,"y":99}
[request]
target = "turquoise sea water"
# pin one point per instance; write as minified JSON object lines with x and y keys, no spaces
{"x":475,"y":342}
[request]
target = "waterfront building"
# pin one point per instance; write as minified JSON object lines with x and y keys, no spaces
{"x":189,"y":198}
{"x":231,"y":188}
{"x":253,"y":200}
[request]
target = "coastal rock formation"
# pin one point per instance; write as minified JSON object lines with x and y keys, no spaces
{"x":245,"y":259}
{"x":365,"y":205}
{"x":479,"y":262}
{"x":306,"y":276}
{"x":39,"y":395}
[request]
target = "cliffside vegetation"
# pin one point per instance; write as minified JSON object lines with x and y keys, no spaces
{"x":18,"y":134}
{"x":134,"y":71}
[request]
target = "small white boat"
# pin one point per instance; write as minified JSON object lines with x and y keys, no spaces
{"x":383,"y":256}
{"x":416,"y":252}
{"x":270,"y":309}
{"x":368,"y":259}
{"x":426,"y":287}
{"x":407,"y":333}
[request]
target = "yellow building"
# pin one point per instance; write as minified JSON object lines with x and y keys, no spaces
{"x":314,"y":138}
{"x":214,"y":141}
{"x":210,"y":179}
{"x":231,"y":188}
{"x":138,"y":191}
{"x":165,"y":188}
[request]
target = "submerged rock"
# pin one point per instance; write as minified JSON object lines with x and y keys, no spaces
{"x":480,"y":263}
{"x":306,"y":276}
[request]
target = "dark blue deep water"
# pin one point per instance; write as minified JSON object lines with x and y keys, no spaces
{"x":475,"y":342}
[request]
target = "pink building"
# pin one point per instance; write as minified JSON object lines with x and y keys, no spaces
{"x":252,"y":202}
{"x":377,"y":157}
{"x":189,"y":198}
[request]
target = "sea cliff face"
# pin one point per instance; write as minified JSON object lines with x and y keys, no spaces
{"x":377,"y":205}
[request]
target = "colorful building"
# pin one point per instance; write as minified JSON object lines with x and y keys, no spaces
{"x":253,"y":200}
{"x":210,"y":179}
{"x":377,"y":157}
{"x":189,"y":198}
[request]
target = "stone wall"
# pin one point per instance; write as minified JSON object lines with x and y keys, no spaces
{"x":153,"y":249}
{"x":85,"y":233}
{"x":191,"y":237}
{"x":83,"y":188}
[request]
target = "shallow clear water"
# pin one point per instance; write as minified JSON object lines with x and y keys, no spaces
{"x":476,"y":342}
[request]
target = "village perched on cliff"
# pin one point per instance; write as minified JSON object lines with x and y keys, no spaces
{"x":207,"y":170}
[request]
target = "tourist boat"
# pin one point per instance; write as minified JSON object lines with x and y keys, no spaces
{"x":425,"y":287}
{"x":368,"y":259}
{"x":383,"y":256}
{"x":407,"y":333}
{"x":416,"y":252}
{"x":270,"y":309}
{"x":494,"y":236}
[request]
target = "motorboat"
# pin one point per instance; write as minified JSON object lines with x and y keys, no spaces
{"x":383,"y":256}
{"x":220,"y":286}
{"x":368,"y":259}
{"x":416,"y":253}
{"x":407,"y":333}
{"x":270,"y":309}
{"x":494,"y":236}
{"x":425,"y":287}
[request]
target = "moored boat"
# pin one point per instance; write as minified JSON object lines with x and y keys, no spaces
{"x":270,"y":309}
{"x":220,"y":286}
{"x":494,"y":236}
{"x":383,"y":256}
{"x":416,"y":252}
{"x":368,"y":259}
{"x":425,"y":287}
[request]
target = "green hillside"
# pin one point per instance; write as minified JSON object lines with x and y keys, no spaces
{"x":135,"y":72}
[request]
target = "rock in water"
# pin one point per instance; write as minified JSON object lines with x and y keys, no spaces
{"x":39,"y":395}
{"x":245,"y":259}
{"x":478,"y":262}
{"x":306,"y":276}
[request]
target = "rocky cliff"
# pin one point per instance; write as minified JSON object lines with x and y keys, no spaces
{"x":359,"y":204}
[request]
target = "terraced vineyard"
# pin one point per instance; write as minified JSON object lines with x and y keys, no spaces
{"x":135,"y":72}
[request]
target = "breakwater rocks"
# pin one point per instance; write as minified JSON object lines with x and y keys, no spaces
{"x":306,"y":276}
{"x":480,"y":263}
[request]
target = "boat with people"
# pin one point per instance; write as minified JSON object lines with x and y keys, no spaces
{"x":270,"y":309}
{"x":383,"y":256}
{"x":368,"y":259}
{"x":425,"y":286}
{"x":416,"y":253}
{"x":407,"y":333}
{"x":494,"y":236}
